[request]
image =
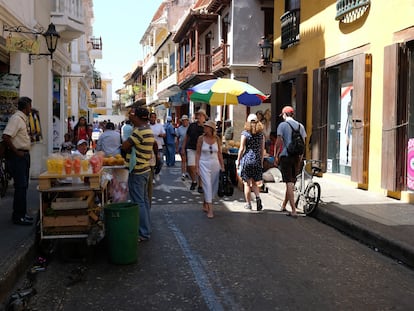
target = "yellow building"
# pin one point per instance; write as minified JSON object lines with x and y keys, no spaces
{"x":346,"y":70}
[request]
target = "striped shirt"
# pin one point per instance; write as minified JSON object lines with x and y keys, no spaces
{"x":142,"y":138}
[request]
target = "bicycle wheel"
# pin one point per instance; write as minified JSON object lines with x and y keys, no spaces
{"x":312,"y":197}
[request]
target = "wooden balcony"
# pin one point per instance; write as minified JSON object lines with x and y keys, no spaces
{"x":197,"y":70}
{"x":221,"y":60}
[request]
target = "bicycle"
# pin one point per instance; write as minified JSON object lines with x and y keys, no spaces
{"x":308,"y":192}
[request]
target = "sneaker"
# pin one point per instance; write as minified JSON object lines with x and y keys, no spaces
{"x":157,"y":177}
{"x":193,"y":186}
{"x":200,"y":190}
{"x":248,"y":206}
{"x":259,"y":205}
{"x":23,"y":221}
{"x":182,"y":177}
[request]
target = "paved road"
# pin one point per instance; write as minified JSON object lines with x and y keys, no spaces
{"x":239,"y":260}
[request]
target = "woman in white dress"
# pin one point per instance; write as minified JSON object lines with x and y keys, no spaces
{"x":209,"y":162}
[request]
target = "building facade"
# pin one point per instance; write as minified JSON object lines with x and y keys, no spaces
{"x":346,"y":69}
{"x":61,"y":85}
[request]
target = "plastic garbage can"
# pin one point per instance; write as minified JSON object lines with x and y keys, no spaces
{"x":121,"y":226}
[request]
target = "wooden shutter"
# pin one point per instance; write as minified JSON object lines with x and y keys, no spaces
{"x":318,"y":135}
{"x":394,"y":119}
{"x":361,"y":117}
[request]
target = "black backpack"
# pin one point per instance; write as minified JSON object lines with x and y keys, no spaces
{"x":297,"y":145}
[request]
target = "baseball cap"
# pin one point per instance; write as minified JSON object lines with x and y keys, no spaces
{"x":82,"y":141}
{"x":169,"y":119}
{"x":287,"y":109}
{"x":210,"y":123}
{"x":184,"y":117}
{"x":140,"y":112}
{"x":252,"y":117}
{"x":202,"y":111}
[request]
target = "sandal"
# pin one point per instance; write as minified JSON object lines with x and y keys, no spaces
{"x":292,"y":215}
{"x":281,"y":208}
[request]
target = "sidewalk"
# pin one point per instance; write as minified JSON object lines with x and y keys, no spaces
{"x":17,"y":247}
{"x":385,"y":224}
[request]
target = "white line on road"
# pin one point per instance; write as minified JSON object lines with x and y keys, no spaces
{"x":199,"y":273}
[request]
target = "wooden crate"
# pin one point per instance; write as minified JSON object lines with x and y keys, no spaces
{"x":48,"y":181}
{"x":72,"y":203}
{"x":65,"y":221}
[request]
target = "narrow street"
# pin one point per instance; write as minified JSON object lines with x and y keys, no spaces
{"x":239,"y":260}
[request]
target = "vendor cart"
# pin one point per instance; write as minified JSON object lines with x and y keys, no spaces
{"x":71,"y":206}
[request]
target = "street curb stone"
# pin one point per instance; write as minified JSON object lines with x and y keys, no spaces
{"x":349,"y":224}
{"x":19,"y":262}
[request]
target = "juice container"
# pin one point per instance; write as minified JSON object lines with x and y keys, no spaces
{"x":85,"y":165}
{"x":68,"y":165}
{"x":77,"y":165}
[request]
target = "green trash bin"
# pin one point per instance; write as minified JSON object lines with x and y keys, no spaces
{"x":121,"y":226}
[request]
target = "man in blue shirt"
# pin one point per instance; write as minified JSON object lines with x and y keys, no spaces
{"x":289,"y":165}
{"x":169,"y":142}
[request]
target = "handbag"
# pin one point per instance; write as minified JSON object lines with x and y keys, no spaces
{"x":225,"y":185}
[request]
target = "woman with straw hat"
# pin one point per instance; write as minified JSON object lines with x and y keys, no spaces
{"x":209,"y":162}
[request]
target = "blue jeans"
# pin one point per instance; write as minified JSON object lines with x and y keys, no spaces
{"x":19,"y":169}
{"x":170,"y":154}
{"x":138,"y":193}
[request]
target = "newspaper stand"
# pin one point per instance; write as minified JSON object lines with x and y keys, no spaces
{"x":68,"y":206}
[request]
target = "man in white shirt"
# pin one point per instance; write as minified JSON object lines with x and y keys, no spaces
{"x":159,"y":134}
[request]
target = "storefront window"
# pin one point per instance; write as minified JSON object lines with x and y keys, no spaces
{"x":340,"y":95}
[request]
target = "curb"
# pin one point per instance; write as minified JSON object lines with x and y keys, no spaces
{"x":374,"y":239}
{"x":19,"y":263}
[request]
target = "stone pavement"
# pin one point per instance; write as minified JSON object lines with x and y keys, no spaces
{"x":385,"y":224}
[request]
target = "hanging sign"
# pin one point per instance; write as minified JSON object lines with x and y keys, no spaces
{"x":14,"y":44}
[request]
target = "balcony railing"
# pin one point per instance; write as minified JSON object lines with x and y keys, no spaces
{"x":221,"y":58}
{"x":71,"y":8}
{"x":204,"y":63}
{"x":348,"y":11}
{"x":290,"y":28}
{"x":96,"y":43}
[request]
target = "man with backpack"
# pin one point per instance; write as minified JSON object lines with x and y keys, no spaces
{"x":289,"y":150}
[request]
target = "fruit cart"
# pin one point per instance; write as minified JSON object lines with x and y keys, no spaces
{"x":72,"y":196}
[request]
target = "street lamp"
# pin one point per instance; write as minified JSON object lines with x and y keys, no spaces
{"x":265,"y":54}
{"x":265,"y":49}
{"x":51,"y":36}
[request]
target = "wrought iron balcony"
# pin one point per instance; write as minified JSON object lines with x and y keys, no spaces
{"x":348,"y":11}
{"x":290,"y":28}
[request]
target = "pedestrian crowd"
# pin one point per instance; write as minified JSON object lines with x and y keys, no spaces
{"x":144,"y":141}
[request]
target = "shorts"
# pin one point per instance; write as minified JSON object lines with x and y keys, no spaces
{"x":289,"y":167}
{"x":191,"y":154}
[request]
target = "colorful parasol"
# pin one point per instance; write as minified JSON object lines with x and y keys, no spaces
{"x":225,"y":91}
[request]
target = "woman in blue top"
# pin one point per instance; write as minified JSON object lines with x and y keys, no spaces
{"x":250,"y":159}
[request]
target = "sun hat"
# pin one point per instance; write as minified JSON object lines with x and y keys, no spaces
{"x":252,"y":117}
{"x":210,"y":123}
{"x":202,"y":111}
{"x":184,"y":117}
{"x":287,"y":109}
{"x":82,"y":141}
